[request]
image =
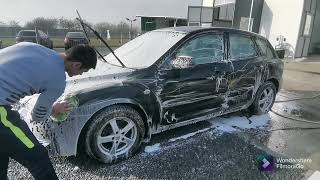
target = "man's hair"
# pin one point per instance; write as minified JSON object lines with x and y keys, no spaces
{"x":84,"y":54}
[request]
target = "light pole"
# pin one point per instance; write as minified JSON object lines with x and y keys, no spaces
{"x":250,"y":22}
{"x":131,"y":20}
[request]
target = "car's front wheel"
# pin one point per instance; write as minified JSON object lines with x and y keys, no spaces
{"x":264,"y":99}
{"x":115,"y":133}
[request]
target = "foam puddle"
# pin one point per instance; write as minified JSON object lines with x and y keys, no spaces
{"x":235,"y":123}
{"x":153,"y":148}
{"x":220,"y":126}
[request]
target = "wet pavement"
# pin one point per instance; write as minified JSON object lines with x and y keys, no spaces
{"x":301,"y":133}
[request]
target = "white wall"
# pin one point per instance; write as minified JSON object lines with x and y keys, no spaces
{"x":207,"y":3}
{"x":282,"y":17}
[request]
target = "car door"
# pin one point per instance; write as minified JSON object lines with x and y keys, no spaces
{"x":191,"y":92}
{"x":247,"y":66}
{"x":271,"y":61}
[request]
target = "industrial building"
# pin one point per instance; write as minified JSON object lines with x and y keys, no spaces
{"x":293,"y":25}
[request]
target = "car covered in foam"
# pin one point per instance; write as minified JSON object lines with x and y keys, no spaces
{"x":173,"y":77}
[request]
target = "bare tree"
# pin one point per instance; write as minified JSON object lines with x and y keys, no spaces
{"x":14,"y":26}
{"x":79,"y":27}
{"x":14,"y":23}
{"x":46,"y":24}
{"x":123,"y":27}
{"x":103,"y":28}
{"x":67,"y":24}
{"x":118,"y":30}
{"x":51,"y":25}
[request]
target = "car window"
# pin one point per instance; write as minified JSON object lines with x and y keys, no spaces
{"x":28,"y":33}
{"x":203,"y":49}
{"x":75,"y":35}
{"x":265,"y":48}
{"x":241,"y":47}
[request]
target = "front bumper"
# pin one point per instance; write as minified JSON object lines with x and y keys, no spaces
{"x":45,"y":132}
{"x":60,"y":139}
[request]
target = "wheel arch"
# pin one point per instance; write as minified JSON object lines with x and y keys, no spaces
{"x":121,"y":101}
{"x":276,"y":82}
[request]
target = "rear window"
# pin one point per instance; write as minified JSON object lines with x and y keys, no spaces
{"x":27,"y":33}
{"x":75,"y":35}
{"x":265,"y":49}
{"x":241,"y":47}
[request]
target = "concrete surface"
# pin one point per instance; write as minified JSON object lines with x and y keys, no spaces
{"x":302,"y":74}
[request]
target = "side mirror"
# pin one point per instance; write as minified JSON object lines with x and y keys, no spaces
{"x":182,"y":62}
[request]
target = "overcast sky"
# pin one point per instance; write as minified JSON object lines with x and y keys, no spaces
{"x":94,"y":11}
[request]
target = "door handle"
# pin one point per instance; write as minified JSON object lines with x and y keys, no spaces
{"x":218,"y":72}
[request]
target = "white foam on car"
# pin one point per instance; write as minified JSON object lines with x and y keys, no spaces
{"x":103,"y":74}
{"x":102,"y":68}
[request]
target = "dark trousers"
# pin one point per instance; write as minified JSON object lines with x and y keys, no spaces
{"x":18,"y":142}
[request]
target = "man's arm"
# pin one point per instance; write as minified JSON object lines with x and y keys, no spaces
{"x":43,"y":107}
{"x":60,"y":107}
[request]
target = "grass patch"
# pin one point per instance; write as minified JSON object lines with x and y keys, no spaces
{"x":8,"y":41}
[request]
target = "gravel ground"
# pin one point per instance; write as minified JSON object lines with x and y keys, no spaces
{"x":207,"y":155}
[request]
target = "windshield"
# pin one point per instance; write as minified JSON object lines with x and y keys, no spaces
{"x":27,"y":33}
{"x":146,"y":49}
{"x":75,"y":35}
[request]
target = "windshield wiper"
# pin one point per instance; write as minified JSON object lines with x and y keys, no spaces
{"x":83,"y":25}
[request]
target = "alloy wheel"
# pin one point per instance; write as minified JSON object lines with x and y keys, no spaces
{"x":117,"y":136}
{"x":266,"y":99}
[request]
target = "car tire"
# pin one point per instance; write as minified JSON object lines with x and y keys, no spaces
{"x":264,"y":99}
{"x":114,"y":134}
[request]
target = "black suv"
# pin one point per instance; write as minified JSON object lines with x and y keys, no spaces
{"x":74,"y":38}
{"x":31,"y":36}
{"x":173,"y":77}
